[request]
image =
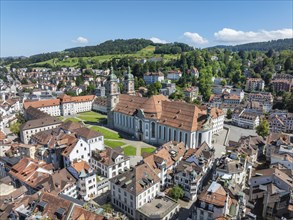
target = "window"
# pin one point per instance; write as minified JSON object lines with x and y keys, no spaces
{"x":160,"y":131}
{"x":153,"y":129}
{"x":175,"y":135}
{"x":169,"y":134}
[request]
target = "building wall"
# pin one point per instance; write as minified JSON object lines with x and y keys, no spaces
{"x":25,"y":135}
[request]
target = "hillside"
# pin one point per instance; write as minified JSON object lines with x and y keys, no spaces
{"x":136,"y":48}
{"x":277,"y":45}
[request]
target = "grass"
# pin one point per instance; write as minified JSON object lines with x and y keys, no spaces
{"x":147,"y":150}
{"x":60,"y":118}
{"x":72,"y":119}
{"x":129,"y":150}
{"x":107,"y":134}
{"x":92,"y":117}
{"x":113,"y":144}
{"x":147,"y":52}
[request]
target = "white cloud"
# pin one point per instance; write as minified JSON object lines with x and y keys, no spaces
{"x":157,"y":40}
{"x":195,"y":38}
{"x":231,"y":36}
{"x":81,"y":40}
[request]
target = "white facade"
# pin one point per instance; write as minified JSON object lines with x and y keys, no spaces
{"x":218,"y":124}
{"x":151,"y":131}
{"x":51,"y":110}
{"x":72,"y":108}
{"x":152,"y":78}
{"x":174,"y":75}
{"x":129,"y":202}
{"x":25,"y":135}
{"x":121,"y":163}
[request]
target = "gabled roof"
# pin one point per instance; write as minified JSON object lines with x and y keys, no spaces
{"x":87,"y":133}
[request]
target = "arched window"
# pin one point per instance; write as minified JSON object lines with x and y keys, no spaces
{"x":153,"y":126}
{"x":169,"y":134}
{"x":175,"y":135}
{"x":180,"y":136}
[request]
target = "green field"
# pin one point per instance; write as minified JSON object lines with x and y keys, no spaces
{"x":93,"y":117}
{"x":147,"y":53}
{"x":107,"y":134}
{"x":129,"y":150}
{"x":147,"y":150}
{"x":72,"y":119}
{"x":113,"y":144}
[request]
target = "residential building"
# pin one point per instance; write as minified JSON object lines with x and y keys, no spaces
{"x":163,"y":208}
{"x":254,"y":84}
{"x":109,"y":162}
{"x":29,"y":128}
{"x":134,"y":188}
{"x":281,"y":85}
{"x":174,"y":75}
{"x":86,"y":179}
{"x":167,"y":88}
{"x":152,"y":77}
{"x":264,"y":98}
{"x":31,"y":173}
{"x":164,"y":160}
{"x":245,"y":118}
{"x":284,"y":76}
{"x":281,"y":122}
{"x":81,"y":148}
{"x":271,"y":189}
{"x":191,"y":93}
{"x":192,"y":170}
{"x":214,"y":202}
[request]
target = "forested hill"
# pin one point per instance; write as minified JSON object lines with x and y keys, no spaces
{"x":277,"y":45}
{"x":110,"y":47}
{"x":118,"y":46}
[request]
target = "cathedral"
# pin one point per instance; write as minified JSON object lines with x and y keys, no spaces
{"x":157,"y":120}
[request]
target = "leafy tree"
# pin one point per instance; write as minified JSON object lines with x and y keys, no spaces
{"x":20,"y":118}
{"x":263,"y":129}
{"x":15,"y":128}
{"x":229,"y":114}
{"x":81,"y":63}
{"x":224,"y":82}
{"x":24,"y":81}
{"x":176,"y":192}
{"x":288,"y":64}
{"x":107,"y":207}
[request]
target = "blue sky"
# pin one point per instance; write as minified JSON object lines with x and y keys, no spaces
{"x":31,"y":27}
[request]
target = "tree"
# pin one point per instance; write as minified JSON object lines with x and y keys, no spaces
{"x":176,"y":192}
{"x":288,"y":63}
{"x":15,"y":128}
{"x":20,"y":118}
{"x":263,"y":129}
{"x":223,"y":82}
{"x":229,"y":113}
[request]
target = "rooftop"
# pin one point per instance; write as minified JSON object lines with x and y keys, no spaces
{"x":158,"y":208}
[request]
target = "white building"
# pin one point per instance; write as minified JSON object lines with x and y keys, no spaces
{"x":109,"y":162}
{"x":174,"y":75}
{"x":152,"y":77}
{"x":86,"y":182}
{"x":245,"y":118}
{"x":134,"y":188}
{"x":87,"y":142}
{"x":64,"y":105}
{"x":254,"y":84}
{"x":32,"y":127}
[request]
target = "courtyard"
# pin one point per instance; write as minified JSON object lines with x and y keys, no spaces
{"x":97,"y":121}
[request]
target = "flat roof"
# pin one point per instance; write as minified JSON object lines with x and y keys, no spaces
{"x":158,"y":207}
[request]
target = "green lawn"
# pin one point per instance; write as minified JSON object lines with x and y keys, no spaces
{"x":72,"y":119}
{"x":93,"y":117}
{"x":113,"y":144}
{"x":129,"y":150}
{"x":147,"y":52}
{"x":147,"y":150}
{"x":107,"y":134}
